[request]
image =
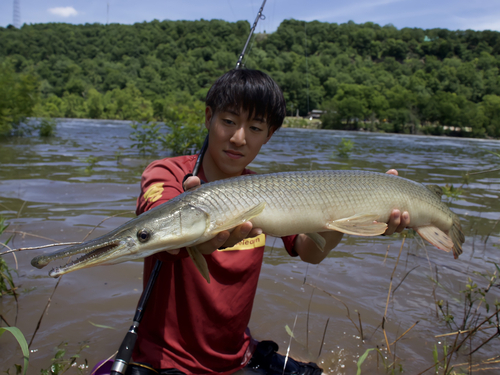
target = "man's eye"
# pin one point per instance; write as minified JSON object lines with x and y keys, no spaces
{"x":229,"y":122}
{"x":257,"y":129}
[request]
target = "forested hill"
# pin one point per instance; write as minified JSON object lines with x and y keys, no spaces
{"x":387,"y":77}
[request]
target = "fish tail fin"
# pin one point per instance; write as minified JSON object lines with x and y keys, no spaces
{"x":457,"y":236}
{"x":436,"y":237}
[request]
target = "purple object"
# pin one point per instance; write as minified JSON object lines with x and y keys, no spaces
{"x":103,"y":367}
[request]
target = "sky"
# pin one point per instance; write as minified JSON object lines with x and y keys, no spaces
{"x":449,"y":14}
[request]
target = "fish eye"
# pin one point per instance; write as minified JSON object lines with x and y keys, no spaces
{"x":143,"y":235}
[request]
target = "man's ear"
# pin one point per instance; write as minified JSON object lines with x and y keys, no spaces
{"x":208,"y":117}
{"x":270,"y":133}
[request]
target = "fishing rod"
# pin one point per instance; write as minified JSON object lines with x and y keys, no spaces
{"x":122,"y":358}
{"x":260,"y":16}
{"x":124,"y":354}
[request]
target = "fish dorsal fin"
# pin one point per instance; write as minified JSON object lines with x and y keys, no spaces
{"x":247,"y":215}
{"x":199,"y":261}
{"x":436,"y":237}
{"x":438,"y":190}
{"x":318,"y":240}
{"x":358,"y":225}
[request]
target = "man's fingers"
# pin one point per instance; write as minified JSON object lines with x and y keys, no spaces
{"x":210,"y":246}
{"x":226,"y":239}
{"x":405,"y":222}
{"x":392,"y":171}
{"x":394,"y":221}
{"x":241,"y":232}
{"x":397,"y":222}
{"x":255,"y":232}
{"x":191,"y":182}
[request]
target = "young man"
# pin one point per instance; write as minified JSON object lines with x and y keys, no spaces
{"x":191,"y":326}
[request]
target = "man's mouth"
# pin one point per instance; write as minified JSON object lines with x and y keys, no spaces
{"x":233,"y":154}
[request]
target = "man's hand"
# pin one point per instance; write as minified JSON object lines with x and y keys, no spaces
{"x":397,"y":221}
{"x":225,"y":238}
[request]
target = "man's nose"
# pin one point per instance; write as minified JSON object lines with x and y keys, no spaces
{"x":239,"y":137}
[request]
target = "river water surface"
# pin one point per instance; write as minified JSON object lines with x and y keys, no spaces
{"x":60,"y":188}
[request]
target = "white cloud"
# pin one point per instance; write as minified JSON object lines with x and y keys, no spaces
{"x":64,"y":11}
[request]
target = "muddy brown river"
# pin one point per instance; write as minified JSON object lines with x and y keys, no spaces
{"x":59,"y":189}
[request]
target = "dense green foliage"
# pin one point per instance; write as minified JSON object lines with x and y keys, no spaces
{"x":365,"y":75}
{"x":46,"y":127}
{"x":18,"y":97}
{"x":186,"y":132}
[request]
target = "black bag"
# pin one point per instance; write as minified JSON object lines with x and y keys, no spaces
{"x":267,"y":361}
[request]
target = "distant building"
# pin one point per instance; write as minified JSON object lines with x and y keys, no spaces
{"x":315,"y":114}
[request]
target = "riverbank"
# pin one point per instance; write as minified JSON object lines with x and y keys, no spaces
{"x":386,"y":128}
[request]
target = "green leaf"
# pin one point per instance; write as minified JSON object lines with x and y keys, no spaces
{"x":22,"y":343}
{"x":362,"y":359}
{"x":101,"y":326}
{"x":435,"y":355}
{"x":289,"y":331}
{"x":60,"y":353}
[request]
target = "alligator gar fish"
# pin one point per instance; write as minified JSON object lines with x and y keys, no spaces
{"x":352,"y":202}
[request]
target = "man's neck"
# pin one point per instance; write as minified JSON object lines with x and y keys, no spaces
{"x":212,"y":172}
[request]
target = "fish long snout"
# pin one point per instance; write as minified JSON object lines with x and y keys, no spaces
{"x":88,"y":251}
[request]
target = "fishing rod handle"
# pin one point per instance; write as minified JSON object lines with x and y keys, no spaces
{"x":124,"y":354}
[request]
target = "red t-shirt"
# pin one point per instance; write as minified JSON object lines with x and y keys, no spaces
{"x":188,"y":324}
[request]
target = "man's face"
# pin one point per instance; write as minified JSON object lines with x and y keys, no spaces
{"x":235,"y":140}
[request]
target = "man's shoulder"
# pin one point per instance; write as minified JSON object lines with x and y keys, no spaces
{"x":168,"y":171}
{"x":162,"y":180}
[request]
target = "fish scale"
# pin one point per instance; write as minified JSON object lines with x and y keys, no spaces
{"x":355,"y":191}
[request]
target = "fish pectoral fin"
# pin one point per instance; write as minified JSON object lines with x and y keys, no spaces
{"x":247,"y":215}
{"x":358,"y":225}
{"x":318,"y":239}
{"x":199,"y":262}
{"x":436,"y":237}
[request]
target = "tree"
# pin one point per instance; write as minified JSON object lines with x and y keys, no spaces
{"x":94,"y":104}
{"x":18,"y":97}
{"x":491,"y":107}
{"x":135,"y":67}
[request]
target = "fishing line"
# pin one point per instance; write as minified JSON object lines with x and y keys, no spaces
{"x":307,"y":68}
{"x":290,"y":343}
{"x":231,"y":8}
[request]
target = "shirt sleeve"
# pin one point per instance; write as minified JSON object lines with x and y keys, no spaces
{"x":161,"y":181}
{"x":289,"y":242}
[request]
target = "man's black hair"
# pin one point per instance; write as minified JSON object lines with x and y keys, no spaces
{"x":248,"y":90}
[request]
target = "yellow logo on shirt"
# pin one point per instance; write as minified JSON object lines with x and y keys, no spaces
{"x":154,"y":192}
{"x":248,"y":243}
